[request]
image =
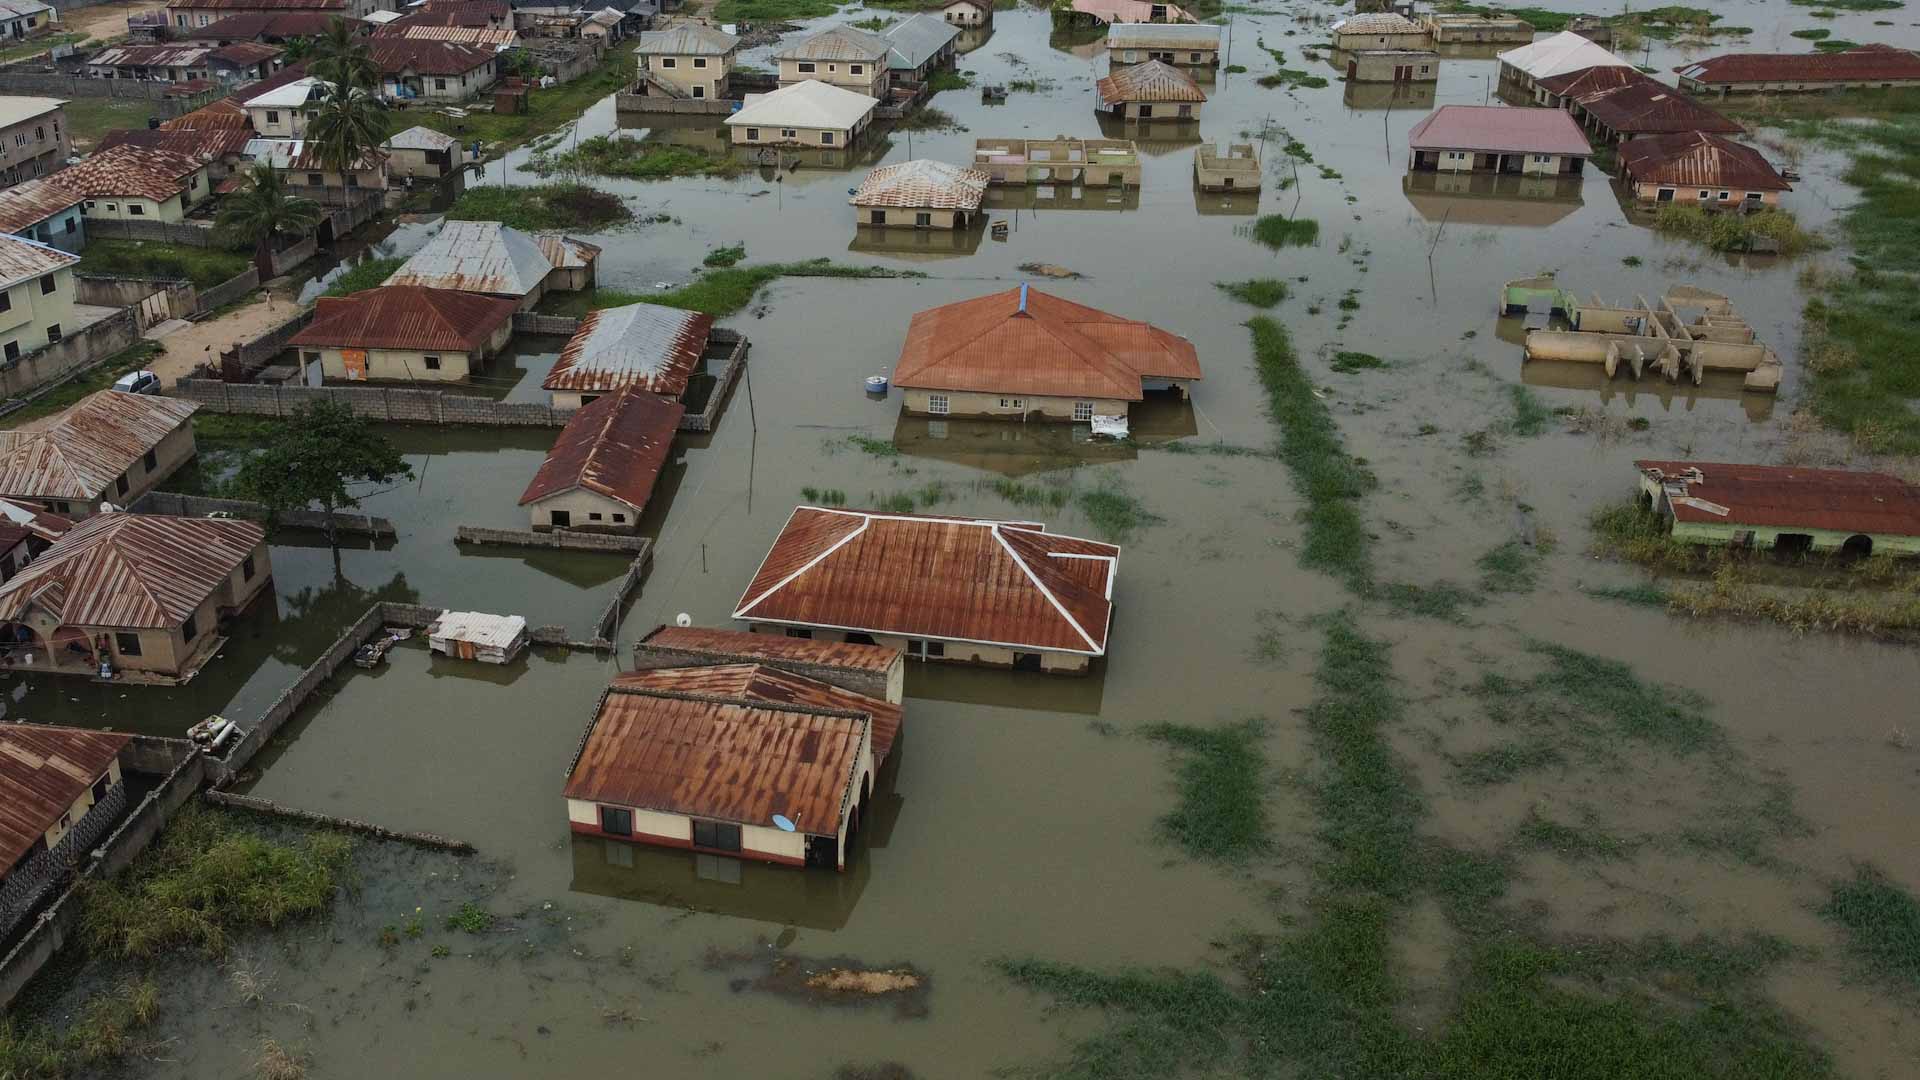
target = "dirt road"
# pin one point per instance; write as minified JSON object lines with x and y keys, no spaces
{"x":103,"y":21}
{"x":201,"y":342}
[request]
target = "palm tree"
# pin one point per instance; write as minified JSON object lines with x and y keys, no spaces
{"x":341,"y":56}
{"x":296,"y":50}
{"x":348,"y":123}
{"x":263,"y":211}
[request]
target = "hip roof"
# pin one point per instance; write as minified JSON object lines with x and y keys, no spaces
{"x":131,"y":571}
{"x":1699,"y":159}
{"x":1500,"y":129}
{"x":647,"y":346}
{"x":43,"y":771}
{"x":1151,"y":81}
{"x":409,"y":317}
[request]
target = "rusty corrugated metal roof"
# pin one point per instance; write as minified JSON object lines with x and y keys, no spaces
{"x":477,"y":256}
{"x":23,"y":260}
{"x":1835,"y":500}
{"x":923,"y":183}
{"x":248,"y":26}
{"x":246,"y":53}
{"x":1152,"y":81}
{"x":981,"y":581}
{"x":130,"y":170}
{"x":406,"y":317}
{"x":1869,"y":63}
{"x":838,"y":43}
{"x":186,"y":55}
{"x":222,"y":115}
{"x":1633,"y":103}
{"x":43,"y":770}
{"x":614,"y":446}
{"x":565,"y":252}
{"x":254,"y":6}
{"x":1699,"y":159}
{"x":30,"y":202}
{"x":647,"y":346}
{"x":200,"y":143}
{"x":397,"y":55}
{"x":21,"y":520}
{"x":459,"y":13}
{"x":746,"y":646}
{"x":92,"y":444}
{"x":1025,"y":342}
{"x":758,"y":682}
{"x":131,"y":571}
{"x":741,"y":761}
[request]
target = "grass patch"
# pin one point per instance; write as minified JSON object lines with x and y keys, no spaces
{"x":1259,"y":292}
{"x":1851,"y":5}
{"x":1576,"y":843}
{"x":1836,"y":45}
{"x":772,"y":10}
{"x":1221,"y":813}
{"x":1278,"y":231}
{"x":928,"y":118}
{"x":62,"y":397}
{"x":873,"y":447}
{"x":1530,"y":416}
{"x":205,"y":267}
{"x":1815,"y":34}
{"x":1348,"y":363}
{"x":1641,"y":595}
{"x":1444,"y":600}
{"x":1052,"y":497}
{"x":824,"y":496}
{"x":873,"y":25}
{"x":629,"y":158}
{"x":1114,"y":513}
{"x":1717,"y":230}
{"x":1542,"y":20}
{"x":89,"y":118}
{"x":1881,"y":922}
{"x":719,"y":292}
{"x":470,"y":918}
{"x":1502,"y":763}
{"x":542,"y":207}
{"x":1607,"y":690}
{"x":101,"y":1033}
{"x":1513,"y":567}
{"x":949,"y":80}
{"x":724,"y":257}
{"x":366,"y":275}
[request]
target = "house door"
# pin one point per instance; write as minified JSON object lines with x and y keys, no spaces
{"x":1403,"y":73}
{"x":1664,"y":195}
{"x":560,"y":518}
{"x":1026,"y":661}
{"x":823,"y":851}
{"x":1353,"y":70}
{"x":1146,"y":112}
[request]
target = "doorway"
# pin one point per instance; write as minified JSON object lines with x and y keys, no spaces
{"x":1026,"y":661}
{"x":1859,"y":545}
{"x":822,"y":851}
{"x":1793,"y":543}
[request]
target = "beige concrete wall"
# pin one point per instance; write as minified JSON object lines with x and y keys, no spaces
{"x":862,"y":77}
{"x":415,"y":163}
{"x":400,"y":365}
{"x":955,"y":652}
{"x":587,"y":511}
{"x":279,"y":123}
{"x":676,"y":830}
{"x":686,"y":73}
{"x":32,"y":312}
{"x":1696,"y":86}
{"x":910,"y":217}
{"x":34,"y":147}
{"x":1008,"y":406}
{"x":374,"y":179}
{"x":1469,"y":161}
{"x":1357,"y":42}
{"x":56,"y":832}
{"x":1683,"y":195}
{"x":173,"y":209}
{"x":742,"y":135}
{"x":1184,"y":56}
{"x":1376,"y":67}
{"x":1160,"y":110}
{"x":966,"y":15}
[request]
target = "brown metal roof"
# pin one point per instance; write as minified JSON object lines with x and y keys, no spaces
{"x":1698,"y":159}
{"x":184,"y":55}
{"x":1152,"y":81}
{"x":43,"y":770}
{"x":131,"y":571}
{"x":1023,"y":341}
{"x":838,"y":43}
{"x":246,"y":53}
{"x":987,"y":582}
{"x":644,"y":346}
{"x":1834,"y":500}
{"x":400,"y":54}
{"x":923,"y":183}
{"x":201,"y":143}
{"x":406,"y":317}
{"x":22,"y":259}
{"x":1499,"y":128}
{"x":758,"y":682}
{"x":746,"y":646}
{"x":249,"y":26}
{"x":24,"y":520}
{"x":472,"y":13}
{"x":615,"y":446}
{"x":740,"y":761}
{"x":1869,"y":63}
{"x":1633,"y":103}
{"x":258,"y":6}
{"x":130,"y":170}
{"x":222,"y":115}
{"x":92,"y":444}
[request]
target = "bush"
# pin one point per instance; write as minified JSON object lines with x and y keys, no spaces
{"x":1278,"y":231}
{"x":548,"y":206}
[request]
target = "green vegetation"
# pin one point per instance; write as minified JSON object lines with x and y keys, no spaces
{"x":206,"y":878}
{"x":1608,"y":691}
{"x":774,"y":10}
{"x":470,"y":918}
{"x":88,"y":118}
{"x":1115,"y":514}
{"x":205,"y":267}
{"x":325,"y":452}
{"x":1292,"y":79}
{"x":1575,"y":843}
{"x":629,"y":158}
{"x":264,"y":211}
{"x":1236,"y":69}
{"x":547,"y":110}
{"x":824,"y":496}
{"x":1278,"y":231}
{"x":1222,"y":811}
{"x":927,"y":118}
{"x":1851,"y":5}
{"x":1719,"y":230}
{"x":869,"y":445}
{"x":1816,"y":34}
{"x":1530,"y":415}
{"x":102,"y":1033}
{"x":1513,"y":567}
{"x":725,"y":257}
{"x":1052,"y":496}
{"x":720,"y":292}
{"x":873,"y":25}
{"x":132,"y":358}
{"x":1505,"y":761}
{"x":1881,"y":921}
{"x":1542,"y":20}
{"x":35,"y":46}
{"x":1259,"y":292}
{"x":949,"y":80}
{"x":1348,"y":363}
{"x":546,"y":206}
{"x":1442,"y":600}
{"x":1643,"y":595}
{"x":1836,"y":45}
{"x":366,"y":275}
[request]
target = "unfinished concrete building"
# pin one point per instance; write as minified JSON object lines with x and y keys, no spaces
{"x":1689,"y":331}
{"x":1059,"y":160}
{"x":1230,"y":168}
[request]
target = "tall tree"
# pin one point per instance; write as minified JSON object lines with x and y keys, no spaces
{"x":348,"y":123}
{"x":326,"y":452}
{"x":340,"y":56}
{"x":258,"y":213}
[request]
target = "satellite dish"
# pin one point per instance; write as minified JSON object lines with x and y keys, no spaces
{"x":782,"y":823}
{"x":683,"y":619}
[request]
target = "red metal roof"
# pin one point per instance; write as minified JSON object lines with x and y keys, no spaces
{"x":406,"y":317}
{"x":472,"y":13}
{"x":1152,"y":81}
{"x":128,"y":170}
{"x":246,"y":53}
{"x":615,"y":446}
{"x":1698,"y":159}
{"x":1633,"y":103}
{"x":251,"y":26}
{"x":1023,"y":341}
{"x":222,"y":115}
{"x":1869,"y":63}
{"x":758,"y":682}
{"x":200,"y":143}
{"x":88,"y":447}
{"x":987,"y":582}
{"x":24,"y":520}
{"x":401,"y":54}
{"x":1834,"y":500}
{"x":43,"y":770}
{"x":131,"y":571}
{"x":744,"y":645}
{"x":1499,"y":129}
{"x":258,"y":6}
{"x":30,"y":202}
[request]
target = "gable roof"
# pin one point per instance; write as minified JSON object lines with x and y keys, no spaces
{"x":248,"y":26}
{"x":809,"y":104}
{"x":134,"y":571}
{"x":759,"y":682}
{"x":294,"y":154}
{"x":22,"y":259}
{"x":1125,"y":11}
{"x":200,"y":143}
{"x":13,"y":9}
{"x":43,"y":770}
{"x":406,"y":317}
{"x":1151,"y":81}
{"x":1377,"y":22}
{"x":923,"y":183}
{"x":1162,"y":35}
{"x":1699,"y":159}
{"x":917,"y":40}
{"x":615,"y":446}
{"x":1559,"y":54}
{"x":124,"y":170}
{"x":397,"y":54}
{"x":186,"y":55}
{"x":226,"y":114}
{"x":1873,"y":62}
{"x":745,"y":647}
{"x":24,"y":520}
{"x":1835,"y":500}
{"x":1023,"y":341}
{"x":477,"y":256}
{"x":647,"y":346}
{"x":988,"y":582}
{"x":1500,"y":129}
{"x":1633,"y":103}
{"x":291,"y":94}
{"x":89,"y":446}
{"x":421,"y":138}
{"x":837,"y":43}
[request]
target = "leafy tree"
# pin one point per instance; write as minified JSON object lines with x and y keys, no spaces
{"x":264,"y":210}
{"x":341,"y":56}
{"x":349,"y":122}
{"x":325,"y":449}
{"x":297,"y":49}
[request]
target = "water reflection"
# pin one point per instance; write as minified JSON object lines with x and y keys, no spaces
{"x":1156,"y":138}
{"x":1717,"y":386}
{"x":1388,"y":95}
{"x":1226,"y":203}
{"x":1017,"y":449}
{"x":1059,"y":197}
{"x":928,"y":243}
{"x":715,"y":884}
{"x":966,"y":685}
{"x":1490,"y":199}
{"x":972,"y":38}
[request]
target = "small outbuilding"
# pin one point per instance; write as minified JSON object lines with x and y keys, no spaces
{"x":1695,"y":168}
{"x":1181,"y":44}
{"x":404,"y":333}
{"x":1498,"y":139}
{"x":1393,"y":66}
{"x":1234,"y":168}
{"x":424,"y":154}
{"x":918,"y":46}
{"x":1521,"y":69}
{"x":646,"y":347}
{"x":1783,"y":508}
{"x":476,"y":635}
{"x":809,"y":113}
{"x":60,"y":794}
{"x":1150,"y":91}
{"x":921,"y":194}
{"x":108,"y":448}
{"x":1462,"y":29}
{"x":602,"y":469}
{"x":968,"y":13}
{"x":1378,"y":30}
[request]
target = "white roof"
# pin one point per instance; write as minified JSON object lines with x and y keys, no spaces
{"x":14,"y":110}
{"x":421,"y":138}
{"x":810,"y":104}
{"x":13,"y":9}
{"x":477,"y":256}
{"x":291,"y":96}
{"x":917,"y":40}
{"x":607,"y":17}
{"x":478,"y":627}
{"x":1377,"y":22}
{"x":1563,"y":52}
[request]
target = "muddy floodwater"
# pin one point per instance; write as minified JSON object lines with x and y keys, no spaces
{"x":1018,"y":816}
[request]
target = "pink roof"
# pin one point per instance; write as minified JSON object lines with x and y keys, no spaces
{"x":1499,"y":129}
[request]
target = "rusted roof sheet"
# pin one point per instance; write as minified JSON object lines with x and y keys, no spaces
{"x":1869,"y":63}
{"x":838,"y":43}
{"x":758,"y":682}
{"x":401,"y":54}
{"x":1377,"y":22}
{"x":740,"y":761}
{"x":1026,"y":342}
{"x":1633,"y":103}
{"x":222,"y":115}
{"x":250,"y":6}
{"x":1152,"y":81}
{"x":91,"y":445}
{"x":746,"y":646}
{"x":615,"y":446}
{"x":43,"y":770}
{"x":477,"y":256}
{"x":131,"y":571}
{"x":987,"y":582}
{"x":200,"y":143}
{"x":1130,"y":11}
{"x":245,"y":53}
{"x":298,"y":154}
{"x":1500,"y":129}
{"x":30,"y":202}
{"x":687,"y":39}
{"x":1834,"y":500}
{"x":923,"y":184}
{"x":249,"y":26}
{"x":1698,"y":159}
{"x":130,"y":170}
{"x":187,"y":55}
{"x":406,"y":317}
{"x":1162,"y":36}
{"x":646,"y":346}
{"x":493,"y":37}
{"x":459,"y":13}
{"x":23,"y":260}
{"x":565,"y":252}
{"x":22,"y":520}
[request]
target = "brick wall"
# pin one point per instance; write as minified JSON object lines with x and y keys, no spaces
{"x":526,"y":322}
{"x":164,"y":231}
{"x":229,"y":290}
{"x":71,"y":355}
{"x":558,"y":538}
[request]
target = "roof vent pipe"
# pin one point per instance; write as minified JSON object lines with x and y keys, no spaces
{"x":1023,"y":298}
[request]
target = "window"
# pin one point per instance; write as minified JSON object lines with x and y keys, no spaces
{"x":134,"y":209}
{"x":560,"y":519}
{"x":272,"y":117}
{"x":439,"y":84}
{"x":1194,"y":57}
{"x":189,"y":629}
{"x":246,"y":568}
{"x":6,"y":300}
{"x":1703,"y":194}
{"x":937,"y":404}
{"x":433,"y":363}
{"x":923,"y":221}
{"x":53,"y":333}
{"x":66,"y":821}
{"x":806,"y":69}
{"x":314,"y":179}
{"x":619,"y":519}
{"x":127,"y":644}
{"x":826,"y":138}
{"x":595,"y":516}
{"x":309,"y":357}
{"x":936,"y":648}
{"x":72,"y":224}
{"x":753,"y":134}
{"x":12,"y":351}
{"x":120,"y":485}
{"x":1723,"y":196}
{"x":799,"y":632}
{"x":788,"y":133}
{"x":100,"y":785}
{"x":856,"y":69}
{"x":193,"y":182}
{"x":668,"y":61}
{"x":878,"y":217}
{"x":61,"y":506}
{"x":699,"y":91}
{"x":1083,"y":410}
{"x":46,"y":285}
{"x":699,"y":61}
{"x":717,"y":835}
{"x":90,"y":204}
{"x":616,"y":820}
{"x":1010,"y":403}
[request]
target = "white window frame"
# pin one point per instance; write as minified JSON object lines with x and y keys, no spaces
{"x":1083,"y":411}
{"x":938,"y":404}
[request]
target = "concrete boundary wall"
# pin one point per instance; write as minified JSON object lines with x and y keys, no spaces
{"x":269,"y":808}
{"x":605,"y":630}
{"x":72,"y":355}
{"x":173,"y":504}
{"x":558,"y":538}
{"x":736,"y":346}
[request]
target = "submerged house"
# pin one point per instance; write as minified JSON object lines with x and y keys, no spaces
{"x":957,"y":590}
{"x":806,"y":113}
{"x":686,"y":61}
{"x":60,"y":794}
{"x":873,"y":670}
{"x":1378,"y":30}
{"x":919,"y":46}
{"x":424,"y":153}
{"x":1150,"y":91}
{"x":921,"y":194}
{"x":634,"y":346}
{"x":1060,"y":160}
{"x":404,"y":333}
{"x":26,"y":530}
{"x":1783,"y":508}
{"x":1695,"y":168}
{"x":1874,"y":65}
{"x":1181,"y":44}
{"x":1498,"y":139}
{"x":1023,"y":354}
{"x":108,"y":448}
{"x":601,"y":471}
{"x":1618,"y":104}
{"x":1460,"y":28}
{"x":968,"y":12}
{"x":488,"y":257}
{"x":1522,"y":69}
{"x":839,"y":56}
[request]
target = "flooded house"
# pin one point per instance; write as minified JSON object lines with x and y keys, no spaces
{"x":921,"y":194}
{"x":1234,"y":168}
{"x":876,"y":671}
{"x":1060,"y":160}
{"x":1689,"y":331}
{"x":1393,"y":66}
{"x":1022,"y":354}
{"x":1498,"y":139}
{"x":634,"y":346}
{"x":128,"y":183}
{"x":1471,"y":29}
{"x":687,"y":60}
{"x":1114,"y":12}
{"x":601,"y":471}
{"x":491,"y":258}
{"x":1150,"y":91}
{"x":60,"y":794}
{"x":26,"y":530}
{"x":1783,"y":508}
{"x":404,"y":333}
{"x":36,"y":296}
{"x":968,"y":13}
{"x":838,"y":56}
{"x":805,"y":114}
{"x":109,"y":448}
{"x":1617,"y":104}
{"x":1471,"y":198}
{"x":1563,"y":53}
{"x":281,"y":112}
{"x":299,"y":163}
{"x":424,"y":154}
{"x":951,"y":590}
{"x":137,"y":596}
{"x":34,"y":137}
{"x":918,"y":46}
{"x":435,"y":72}
{"x":1875,"y":65}
{"x":1180,"y":44}
{"x":1696,"y":168}
{"x":478,"y":635}
{"x":699,"y":759}
{"x":1378,"y":30}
